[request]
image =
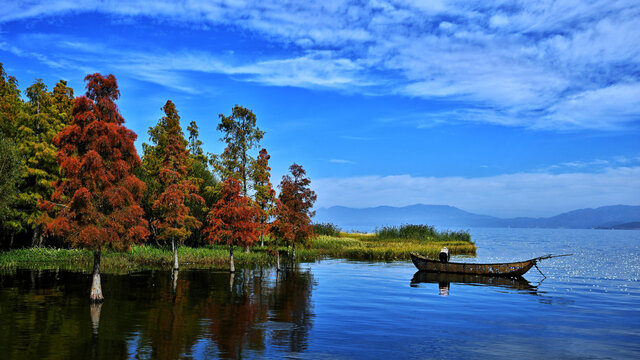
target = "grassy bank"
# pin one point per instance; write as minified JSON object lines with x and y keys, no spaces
{"x":372,"y":247}
{"x":139,"y":258}
{"x":350,"y":246}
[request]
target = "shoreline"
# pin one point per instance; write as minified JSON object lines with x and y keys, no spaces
{"x":147,"y":257}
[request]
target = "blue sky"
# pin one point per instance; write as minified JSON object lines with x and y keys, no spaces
{"x":501,"y":108}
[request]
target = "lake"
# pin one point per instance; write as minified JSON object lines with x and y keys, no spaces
{"x":588,"y":306}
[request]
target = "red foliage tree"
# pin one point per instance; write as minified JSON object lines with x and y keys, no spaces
{"x":232,"y":220}
{"x":174,"y":221}
{"x":96,"y":204}
{"x":293,"y":209}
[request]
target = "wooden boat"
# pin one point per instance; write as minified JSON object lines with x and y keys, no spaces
{"x":512,"y":269}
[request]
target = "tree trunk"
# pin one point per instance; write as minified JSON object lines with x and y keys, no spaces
{"x":277,"y":257}
{"x":293,"y":256}
{"x":261,"y":241}
{"x":232,"y":268}
{"x":174,"y":247}
{"x":96,"y":286}
{"x":246,"y":249}
{"x":11,"y":240}
{"x":36,"y":240}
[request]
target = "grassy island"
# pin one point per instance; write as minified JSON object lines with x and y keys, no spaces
{"x":386,"y":244}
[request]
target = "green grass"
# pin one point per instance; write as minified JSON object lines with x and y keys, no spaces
{"x":353,"y":246}
{"x":139,"y":258}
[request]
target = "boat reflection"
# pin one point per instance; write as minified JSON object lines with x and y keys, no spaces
{"x":444,"y":281}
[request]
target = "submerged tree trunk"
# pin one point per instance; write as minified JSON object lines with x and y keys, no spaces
{"x":232,"y":268}
{"x":95,"y":317}
{"x":174,"y":283}
{"x":95,"y":309}
{"x":174,"y":247}
{"x":96,"y":286}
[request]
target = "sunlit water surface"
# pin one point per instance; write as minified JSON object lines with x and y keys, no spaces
{"x":588,"y":306}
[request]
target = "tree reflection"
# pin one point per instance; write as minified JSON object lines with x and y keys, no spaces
{"x":156,"y":314}
{"x":292,"y":302}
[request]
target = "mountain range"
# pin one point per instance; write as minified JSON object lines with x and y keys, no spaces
{"x":444,"y":216}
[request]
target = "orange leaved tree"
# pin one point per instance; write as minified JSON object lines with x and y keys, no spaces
{"x":96,"y":204}
{"x":293,"y":209}
{"x":232,"y":220}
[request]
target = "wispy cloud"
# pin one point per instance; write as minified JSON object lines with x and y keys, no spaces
{"x":594,"y":165}
{"x":341,"y":161}
{"x":520,"y":194}
{"x":563,"y":64}
{"x":312,"y":69}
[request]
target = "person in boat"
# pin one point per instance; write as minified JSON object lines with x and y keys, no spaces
{"x":444,"y":254}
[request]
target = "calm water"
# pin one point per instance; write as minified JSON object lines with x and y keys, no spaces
{"x":587,"y":307}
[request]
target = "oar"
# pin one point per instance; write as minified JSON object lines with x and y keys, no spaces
{"x":543,"y":258}
{"x":550,"y":256}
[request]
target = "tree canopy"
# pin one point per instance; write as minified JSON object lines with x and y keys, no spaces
{"x":96,"y":203}
{"x":241,"y":134}
{"x":293,"y":211}
{"x":232,"y":220}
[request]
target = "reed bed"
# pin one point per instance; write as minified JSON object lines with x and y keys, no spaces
{"x":370,"y":247}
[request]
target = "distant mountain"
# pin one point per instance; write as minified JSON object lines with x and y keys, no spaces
{"x":368,"y":219}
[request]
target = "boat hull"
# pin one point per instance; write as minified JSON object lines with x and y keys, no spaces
{"x":500,"y":269}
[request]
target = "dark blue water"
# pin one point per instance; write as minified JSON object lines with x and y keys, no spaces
{"x":588,"y":306}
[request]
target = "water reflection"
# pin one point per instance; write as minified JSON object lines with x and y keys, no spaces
{"x":156,"y":314}
{"x":444,"y":281}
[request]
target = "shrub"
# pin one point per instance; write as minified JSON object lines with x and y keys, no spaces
{"x":326,"y":229}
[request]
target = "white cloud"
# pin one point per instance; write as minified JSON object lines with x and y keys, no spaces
{"x":313,"y":69}
{"x":341,"y":161}
{"x":562,"y":64}
{"x":520,"y":194}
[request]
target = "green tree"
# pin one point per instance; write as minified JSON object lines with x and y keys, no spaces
{"x":264,"y":193}
{"x":241,"y":135}
{"x":11,"y":114}
{"x":174,"y":222}
{"x":10,"y":168}
{"x":11,"y":105}
{"x":204,"y":178}
{"x":46,"y":115}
